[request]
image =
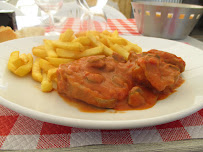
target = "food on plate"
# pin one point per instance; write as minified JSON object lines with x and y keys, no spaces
{"x":20,"y":65}
{"x":36,"y":71}
{"x":70,"y":47}
{"x":46,"y":84}
{"x":113,"y":82}
{"x":6,"y":33}
{"x":101,"y":69}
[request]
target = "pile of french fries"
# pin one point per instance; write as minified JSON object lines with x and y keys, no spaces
{"x":67,"y":48}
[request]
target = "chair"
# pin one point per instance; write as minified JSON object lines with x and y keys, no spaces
{"x":7,"y":6}
{"x":71,"y":9}
{"x":124,"y":6}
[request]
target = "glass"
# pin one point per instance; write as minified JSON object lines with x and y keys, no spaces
{"x":93,"y":18}
{"x":50,"y":7}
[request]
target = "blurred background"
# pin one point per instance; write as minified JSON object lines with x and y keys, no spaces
{"x":124,"y":6}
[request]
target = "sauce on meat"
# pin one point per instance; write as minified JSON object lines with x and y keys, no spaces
{"x":82,"y":106}
{"x":166,"y":93}
{"x":123,"y":104}
{"x":99,"y":83}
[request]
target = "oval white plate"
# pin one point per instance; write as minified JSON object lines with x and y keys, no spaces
{"x":24,"y":96}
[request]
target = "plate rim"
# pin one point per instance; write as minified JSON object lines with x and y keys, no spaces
{"x":99,"y":124}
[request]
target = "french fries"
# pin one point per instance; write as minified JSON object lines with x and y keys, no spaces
{"x":83,"y":40}
{"x":46,"y":84}
{"x":118,"y":49}
{"x":72,"y":46}
{"x":49,"y":48}
{"x":13,"y":57}
{"x":25,"y":68}
{"x":67,"y":36}
{"x":36,"y":71}
{"x":45,"y":65}
{"x":66,"y":53}
{"x":67,"y":48}
{"x":51,"y":75}
{"x":93,"y":51}
{"x":20,"y":66}
{"x":57,"y":61}
{"x":39,"y":51}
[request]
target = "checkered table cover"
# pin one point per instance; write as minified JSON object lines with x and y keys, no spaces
{"x":20,"y":132}
{"x":124,"y":27}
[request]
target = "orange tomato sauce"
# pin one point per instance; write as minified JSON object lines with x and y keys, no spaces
{"x":152,"y":99}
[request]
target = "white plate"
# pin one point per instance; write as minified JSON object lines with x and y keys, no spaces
{"x":22,"y":94}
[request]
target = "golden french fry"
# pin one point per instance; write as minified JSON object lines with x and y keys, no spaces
{"x":72,"y":46}
{"x":72,"y":38}
{"x":135,"y":47}
{"x":39,"y":52}
{"x":118,"y":40}
{"x":57,"y":61}
{"x":45,"y":65}
{"x":66,"y":54}
{"x":103,"y":40}
{"x":36,"y":71}
{"x":61,"y":37}
{"x":130,"y":48}
{"x":18,"y":62}
{"x":93,"y":39}
{"x":93,"y":51}
{"x":88,"y":47}
{"x":14,"y":56}
{"x":66,"y":36}
{"x":107,"y":51}
{"x":41,"y":47}
{"x":83,"y":40}
{"x":18,"y":66}
{"x":105,"y":32}
{"x":24,"y":58}
{"x":49,"y":48}
{"x":26,"y":68}
{"x":108,"y":42}
{"x":95,"y":33}
{"x":118,"y":49}
{"x":51,"y":75}
{"x":46,"y":84}
{"x":115,"y":34}
{"x":79,"y":34}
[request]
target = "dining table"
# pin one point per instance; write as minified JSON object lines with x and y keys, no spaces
{"x":19,"y":132}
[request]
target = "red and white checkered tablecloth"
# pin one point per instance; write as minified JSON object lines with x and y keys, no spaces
{"x":20,"y":132}
{"x":124,"y":27}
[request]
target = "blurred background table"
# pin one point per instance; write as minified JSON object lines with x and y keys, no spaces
{"x":28,"y":7}
{"x":28,"y":14}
